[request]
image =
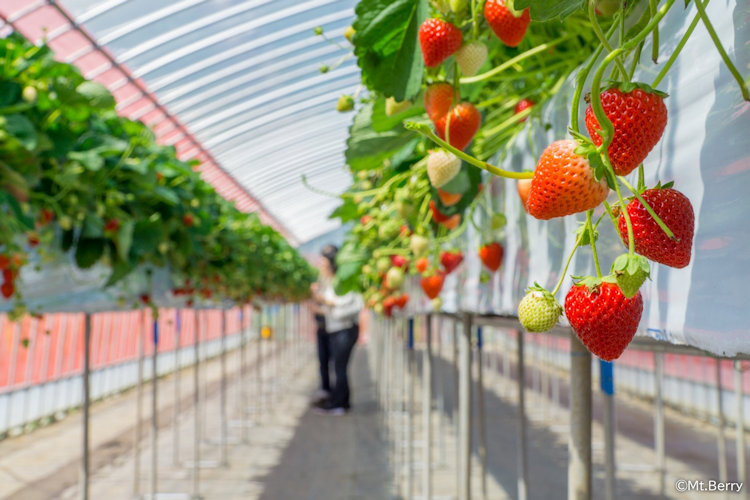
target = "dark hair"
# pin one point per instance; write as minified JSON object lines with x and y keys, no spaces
{"x":329,"y":253}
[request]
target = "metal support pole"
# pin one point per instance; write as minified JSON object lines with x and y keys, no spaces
{"x":659,"y":437}
{"x":522,"y":477}
{"x":223,"y":391}
{"x":196,"y":408}
{"x":456,"y":413}
{"x":579,"y":444}
{"x":464,"y":410}
{"x":480,"y":409}
{"x":427,"y":411}
{"x":721,"y":439}
{"x":607,"y":385}
{"x":410,"y":411}
{"x":244,"y":405}
{"x":138,"y":407}
{"x":86,"y":406}
{"x":740,"y":427}
{"x":154,"y":424}
{"x":441,"y":403}
{"x":259,"y":366}
{"x":177,"y":376}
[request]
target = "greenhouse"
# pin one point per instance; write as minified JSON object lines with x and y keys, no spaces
{"x":374,"y":249}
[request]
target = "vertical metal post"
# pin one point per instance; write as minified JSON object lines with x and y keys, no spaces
{"x":441,"y":403}
{"x":86,"y":405}
{"x":410,"y":411}
{"x":740,"y":427}
{"x":176,"y":405}
{"x":464,"y":410}
{"x":139,"y":406}
{"x":480,"y":409}
{"x":579,"y":444}
{"x":721,"y":439}
{"x":522,"y":477}
{"x":659,"y":437}
{"x":259,"y":365}
{"x":607,"y":385}
{"x":223,"y":390}
{"x":455,"y":372}
{"x":154,"y":409}
{"x":427,"y":411}
{"x":243,"y":377}
{"x":196,"y":407}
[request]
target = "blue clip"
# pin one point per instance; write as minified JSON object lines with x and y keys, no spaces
{"x":410,"y":338}
{"x":479,"y":338}
{"x":606,"y":377}
{"x":156,"y":332}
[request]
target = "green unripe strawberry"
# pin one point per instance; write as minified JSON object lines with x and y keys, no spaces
{"x":29,"y":94}
{"x":383,"y":264}
{"x":405,"y":208}
{"x":459,"y":6}
{"x":418,"y":245}
{"x":346,"y":103}
{"x":388,"y":230}
{"x":349,"y":33}
{"x":498,"y":221}
{"x":538,"y":310}
{"x":630,"y":271}
{"x":437,"y":304}
{"x":394,"y":107}
{"x":394,"y":279}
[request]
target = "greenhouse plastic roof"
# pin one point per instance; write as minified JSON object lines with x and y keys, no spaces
{"x":234,"y":83}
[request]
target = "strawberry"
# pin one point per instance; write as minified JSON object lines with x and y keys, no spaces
{"x":438,"y":100}
{"x":438,"y":40}
{"x":388,"y":304}
{"x":564,"y":183}
{"x":394,"y":278}
{"x":451,"y":260}
{"x":112,"y":225}
{"x":492,"y":255}
{"x":523,"y":186}
{"x":675,"y":210}
{"x":399,"y":261}
{"x":404,"y":230}
{"x":606,"y":7}
{"x":345,"y":103}
{"x":46,"y":216}
{"x":188,"y":220}
{"x":509,"y":26}
{"x":470,"y":57}
{"x":4,"y":262}
{"x":437,"y":304}
{"x":422,"y":264}
{"x":349,"y":33}
{"x":432,"y":285}
{"x":145,"y":298}
{"x":394,"y":107}
{"x":602,"y":317}
{"x":452,"y":222}
{"x":448,"y":199}
{"x":462,"y":122}
{"x":442,"y":166}
{"x":639,"y":117}
{"x":538,"y":311}
{"x":382,"y":265}
{"x":437,"y":215}
{"x":33,"y":239}
{"x":7,"y":289}
{"x":498,"y":221}
{"x":418,"y":244}
{"x":401,"y":300}
{"x":523,"y":104}
{"x":17,"y":260}
{"x":365,"y":219}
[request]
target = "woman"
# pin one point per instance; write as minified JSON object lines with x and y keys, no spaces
{"x":342,"y":324}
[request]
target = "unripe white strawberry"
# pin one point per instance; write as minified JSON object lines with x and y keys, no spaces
{"x":442,"y":166}
{"x":538,"y":310}
{"x":394,"y":107}
{"x":437,"y":304}
{"x":418,"y":244}
{"x":470,"y":57}
{"x":394,"y":278}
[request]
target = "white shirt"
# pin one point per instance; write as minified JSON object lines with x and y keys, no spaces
{"x":344,"y":313}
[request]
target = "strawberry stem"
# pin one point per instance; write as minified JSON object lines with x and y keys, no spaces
{"x":426,"y":131}
{"x":648,"y":208}
{"x":593,"y":242}
{"x":723,"y":53}
{"x":628,"y":223}
{"x":603,"y":39}
{"x":567,"y":263}
{"x":655,"y":43}
{"x":677,"y":50}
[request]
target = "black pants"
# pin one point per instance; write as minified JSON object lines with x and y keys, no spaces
{"x":342,"y":344}
{"x":324,"y":357}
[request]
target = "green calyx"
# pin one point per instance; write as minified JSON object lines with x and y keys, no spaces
{"x":627,"y":87}
{"x":630,"y":272}
{"x":587,"y":149}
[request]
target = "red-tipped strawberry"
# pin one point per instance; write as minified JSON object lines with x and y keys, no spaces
{"x":448,"y":199}
{"x":365,"y":219}
{"x":470,"y":57}
{"x":442,"y":166}
{"x":675,"y":210}
{"x":112,"y":225}
{"x":402,"y":300}
{"x":7,"y":289}
{"x":451,"y":260}
{"x":523,"y":186}
{"x":509,"y":25}
{"x":438,"y":40}
{"x":492,"y":255}
{"x":438,"y":100}
{"x":564,"y":183}
{"x":399,"y":261}
{"x":437,"y":215}
{"x":33,"y":239}
{"x":422,"y":264}
{"x":639,"y":117}
{"x":602,"y":317}
{"x":188,"y":220}
{"x":46,"y":216}
{"x":461,"y":123}
{"x":452,"y":222}
{"x":432,"y":285}
{"x":522,"y":105}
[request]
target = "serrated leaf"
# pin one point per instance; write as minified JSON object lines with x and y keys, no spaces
{"x":96,"y":95}
{"x":22,"y":129}
{"x":90,"y":159}
{"x":382,"y":122}
{"x":347,"y":211}
{"x":89,"y":251}
{"x":367,"y":149}
{"x":546,"y":10}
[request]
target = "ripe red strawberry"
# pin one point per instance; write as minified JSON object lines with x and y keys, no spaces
{"x":492,"y":255}
{"x":451,"y":260}
{"x":448,"y":199}
{"x":145,"y":298}
{"x":46,"y":216}
{"x":438,"y":100}
{"x":639,"y":117}
{"x":509,"y":27}
{"x":452,"y":222}
{"x":399,"y":261}
{"x":437,"y":215}
{"x":438,"y":40}
{"x":462,"y":122}
{"x":4,"y":262}
{"x":9,"y":275}
{"x":7,"y":289}
{"x":188,"y":220}
{"x":33,"y":239}
{"x":112,"y":225}
{"x":602,"y":317}
{"x":523,"y":186}
{"x":564,"y":183}
{"x":422,"y":264}
{"x":675,"y":210}
{"x":523,"y":104}
{"x":432,"y":285}
{"x":401,"y":300}
{"x":365,"y":219}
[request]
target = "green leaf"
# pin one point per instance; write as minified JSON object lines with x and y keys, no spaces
{"x":89,"y":251}
{"x":96,"y":95}
{"x":166,"y":195}
{"x":90,"y":159}
{"x":382,"y":122}
{"x":347,"y":211}
{"x":93,"y":227}
{"x":67,"y":240}
{"x":367,"y":149}
{"x":125,"y":239}
{"x":120,"y":269}
{"x":22,"y":129}
{"x":24,"y":219}
{"x":146,"y":235}
{"x":547,"y":10}
{"x":386,"y":45}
